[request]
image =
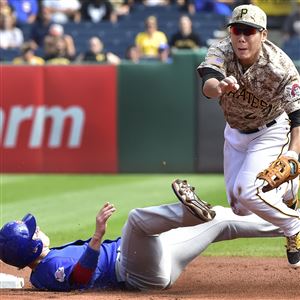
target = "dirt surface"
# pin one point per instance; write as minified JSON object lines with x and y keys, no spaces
{"x":206,"y":278}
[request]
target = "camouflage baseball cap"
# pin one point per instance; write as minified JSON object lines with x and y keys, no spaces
{"x":250,"y":15}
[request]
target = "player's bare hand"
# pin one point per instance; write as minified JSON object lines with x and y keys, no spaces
{"x":101,"y":223}
{"x":228,"y":84}
{"x":103,"y":215}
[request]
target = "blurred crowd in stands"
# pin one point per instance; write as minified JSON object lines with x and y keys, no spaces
{"x":38,"y":32}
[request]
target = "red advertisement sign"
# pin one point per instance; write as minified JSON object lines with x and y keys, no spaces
{"x":58,"y":119}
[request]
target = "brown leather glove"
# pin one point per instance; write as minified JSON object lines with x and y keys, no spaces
{"x":283,"y":169}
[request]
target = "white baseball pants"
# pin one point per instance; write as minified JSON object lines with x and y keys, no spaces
{"x":245,"y":155}
{"x":158,"y":242}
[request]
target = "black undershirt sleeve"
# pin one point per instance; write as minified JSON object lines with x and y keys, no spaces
{"x":295,"y":118}
{"x":207,"y":73}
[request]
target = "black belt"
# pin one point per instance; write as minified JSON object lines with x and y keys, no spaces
{"x":258,"y":129}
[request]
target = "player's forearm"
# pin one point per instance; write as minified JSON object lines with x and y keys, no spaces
{"x":85,"y":267}
{"x":95,"y":241}
{"x":103,"y":215}
{"x":211,"y":88}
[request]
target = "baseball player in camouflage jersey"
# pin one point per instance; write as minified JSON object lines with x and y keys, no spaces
{"x":258,"y":89}
{"x":157,"y":243}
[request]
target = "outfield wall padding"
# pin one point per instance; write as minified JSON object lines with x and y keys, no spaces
{"x":157,"y":116}
{"x":58,"y":119}
{"x":149,"y":117}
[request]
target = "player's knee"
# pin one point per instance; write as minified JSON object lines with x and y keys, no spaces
{"x":135,"y":217}
{"x":132,"y":216}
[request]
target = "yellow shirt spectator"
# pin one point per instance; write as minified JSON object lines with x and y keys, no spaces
{"x":58,"y":61}
{"x":28,"y":57}
{"x":34,"y":60}
{"x":149,"y":44}
{"x":149,"y":41}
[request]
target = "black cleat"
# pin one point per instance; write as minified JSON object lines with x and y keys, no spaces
{"x":293,"y":250}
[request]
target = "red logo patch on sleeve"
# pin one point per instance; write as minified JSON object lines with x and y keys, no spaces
{"x":295,"y":91}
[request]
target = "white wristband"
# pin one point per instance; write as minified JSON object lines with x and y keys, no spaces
{"x":292,"y":154}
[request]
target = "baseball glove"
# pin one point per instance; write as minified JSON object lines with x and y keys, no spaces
{"x":283,"y":169}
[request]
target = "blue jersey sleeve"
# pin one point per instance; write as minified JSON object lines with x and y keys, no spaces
{"x":83,"y":271}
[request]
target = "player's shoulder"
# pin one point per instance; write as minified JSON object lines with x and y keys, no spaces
{"x":53,"y":272}
{"x":221,"y":49}
{"x":223,"y":45}
{"x":276,"y":56}
{"x":219,"y":52}
{"x":271,"y":48}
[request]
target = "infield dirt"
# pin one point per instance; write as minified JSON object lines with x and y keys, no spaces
{"x":207,"y":278}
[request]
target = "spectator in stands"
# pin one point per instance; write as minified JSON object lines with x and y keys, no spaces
{"x":123,"y":7}
{"x":98,"y":10}
{"x":64,"y":11}
{"x":28,"y":56}
{"x":164,"y":54}
{"x":149,"y":40}
{"x":185,"y":37}
{"x":41,"y":27}
{"x":5,"y":8}
{"x":11,"y":37}
{"x":291,"y":26}
{"x":96,"y":53}
{"x":57,"y":44}
{"x":25,"y":11}
{"x":133,"y":54}
{"x":212,"y":6}
{"x":59,"y":54}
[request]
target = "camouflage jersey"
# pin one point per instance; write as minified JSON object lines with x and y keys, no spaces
{"x":267,"y":88}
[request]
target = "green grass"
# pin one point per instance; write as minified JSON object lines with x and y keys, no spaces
{"x":66,"y":205}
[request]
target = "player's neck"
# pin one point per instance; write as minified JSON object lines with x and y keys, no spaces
{"x":245,"y":68}
{"x":34,"y":264}
{"x":246,"y":63}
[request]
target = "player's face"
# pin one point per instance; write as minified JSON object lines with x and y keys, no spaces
{"x":246,"y":42}
{"x":41,"y":236}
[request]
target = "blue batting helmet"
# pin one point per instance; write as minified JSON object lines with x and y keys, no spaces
{"x":17,"y":248}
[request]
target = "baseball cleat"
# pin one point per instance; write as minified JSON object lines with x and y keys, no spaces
{"x":199,"y":208}
{"x":293,"y":250}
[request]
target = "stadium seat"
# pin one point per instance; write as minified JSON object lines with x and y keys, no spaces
{"x":117,"y":37}
{"x":7,"y":55}
{"x":26,"y":29}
